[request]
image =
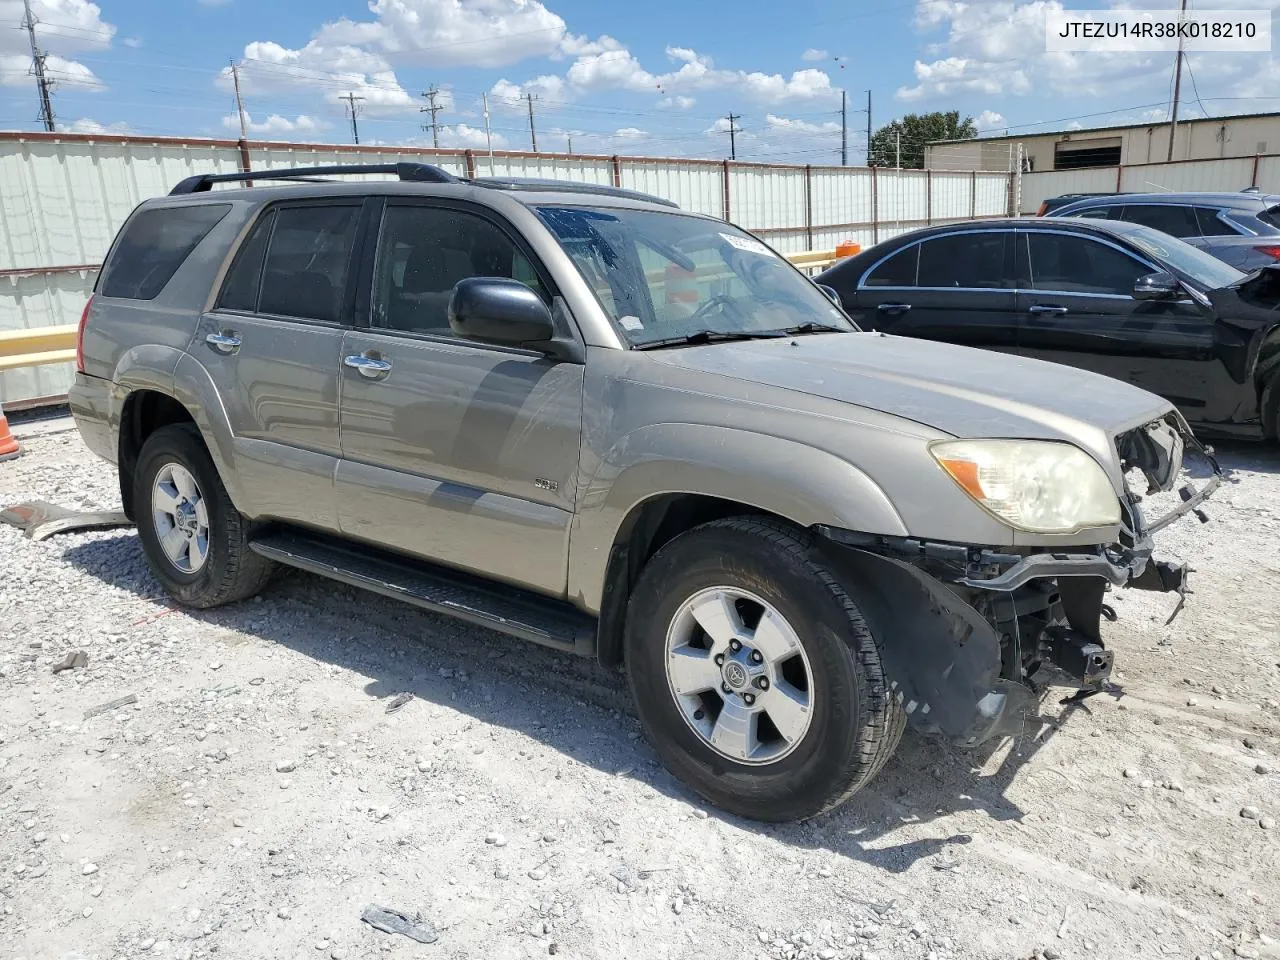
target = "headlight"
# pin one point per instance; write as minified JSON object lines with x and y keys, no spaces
{"x":1034,"y":485}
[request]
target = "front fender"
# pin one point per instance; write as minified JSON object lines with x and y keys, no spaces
{"x":792,"y":480}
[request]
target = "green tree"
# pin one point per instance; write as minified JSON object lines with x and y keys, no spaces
{"x":913,"y":131}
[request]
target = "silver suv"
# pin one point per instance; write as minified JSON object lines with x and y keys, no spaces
{"x":584,"y":418}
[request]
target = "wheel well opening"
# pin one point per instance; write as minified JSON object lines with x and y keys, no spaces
{"x":145,"y":412}
{"x":647,"y":528}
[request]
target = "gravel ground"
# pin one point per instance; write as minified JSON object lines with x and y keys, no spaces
{"x":258,"y":796}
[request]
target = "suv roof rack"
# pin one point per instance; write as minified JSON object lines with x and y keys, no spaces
{"x":567,"y":186}
{"x":410,"y":172}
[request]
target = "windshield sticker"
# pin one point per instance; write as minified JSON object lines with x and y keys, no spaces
{"x":747,"y":244}
{"x":631,"y":323}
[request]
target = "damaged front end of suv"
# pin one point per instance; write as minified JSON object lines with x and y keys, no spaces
{"x":978,"y":633}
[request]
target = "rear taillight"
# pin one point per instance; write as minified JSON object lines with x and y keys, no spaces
{"x":84,"y":318}
{"x":1044,"y":208}
{"x":1272,"y":251}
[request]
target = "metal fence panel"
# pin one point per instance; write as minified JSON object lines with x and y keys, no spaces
{"x":697,"y":187}
{"x":1229,"y":174}
{"x":547,"y":167}
{"x":953,"y":197}
{"x":1269,"y":174}
{"x":41,"y":300}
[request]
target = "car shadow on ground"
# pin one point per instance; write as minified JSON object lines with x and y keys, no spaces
{"x":526,"y":688}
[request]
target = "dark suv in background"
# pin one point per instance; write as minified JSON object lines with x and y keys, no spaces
{"x":1242,"y":229}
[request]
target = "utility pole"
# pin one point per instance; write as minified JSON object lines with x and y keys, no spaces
{"x":1177,"y":84}
{"x":533,"y":134}
{"x":733,"y":131}
{"x":43,"y":83}
{"x":235,"y":79}
{"x":570,"y":139}
{"x":897,"y":149}
{"x":432,"y":109}
{"x":844,"y":129}
{"x":868,"y":128}
{"x":353,"y":103}
{"x":484,"y":98}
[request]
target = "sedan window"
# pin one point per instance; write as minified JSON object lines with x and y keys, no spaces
{"x":898,"y":270}
{"x":1073,"y":264}
{"x":972,"y":260}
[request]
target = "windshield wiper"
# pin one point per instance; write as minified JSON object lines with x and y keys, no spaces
{"x":811,"y":327}
{"x":710,"y":336}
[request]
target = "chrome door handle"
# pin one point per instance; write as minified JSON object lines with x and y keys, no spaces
{"x":894,"y":307}
{"x":370,"y":367}
{"x":223,"y":342}
{"x":1040,"y":308}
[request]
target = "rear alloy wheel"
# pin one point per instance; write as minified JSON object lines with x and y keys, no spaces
{"x":195,"y":540}
{"x":754,"y":674}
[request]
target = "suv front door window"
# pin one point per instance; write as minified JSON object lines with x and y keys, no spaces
{"x":458,"y":451}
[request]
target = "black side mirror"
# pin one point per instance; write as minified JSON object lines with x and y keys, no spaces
{"x":498,"y":310}
{"x":831,"y":293}
{"x":1157,"y":286}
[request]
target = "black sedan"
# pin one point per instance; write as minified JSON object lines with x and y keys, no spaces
{"x":1117,"y":298}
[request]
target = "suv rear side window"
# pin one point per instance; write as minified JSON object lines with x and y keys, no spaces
{"x":964,"y":260}
{"x":1177,"y":221}
{"x":154,"y":245}
{"x":1211,"y":225}
{"x":305,"y":272}
{"x":240,"y":291}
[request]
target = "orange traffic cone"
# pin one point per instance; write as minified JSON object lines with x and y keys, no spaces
{"x":8,"y":446}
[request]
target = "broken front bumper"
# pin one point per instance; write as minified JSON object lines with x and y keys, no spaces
{"x":971,"y":636}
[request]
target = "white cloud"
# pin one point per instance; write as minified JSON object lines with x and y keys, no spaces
{"x":813,"y":55}
{"x":800,"y":126}
{"x":452,"y":33}
{"x":989,"y":120}
{"x":677,"y":103}
{"x":268,"y":68}
{"x":87,"y":125}
{"x":462,"y":135}
{"x":66,"y":27}
{"x":505,"y":95}
{"x":605,"y":65}
{"x":275,"y":124}
{"x":630,"y":133}
{"x":132,"y":42}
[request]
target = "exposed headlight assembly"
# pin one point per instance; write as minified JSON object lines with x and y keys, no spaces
{"x":1039,"y":486}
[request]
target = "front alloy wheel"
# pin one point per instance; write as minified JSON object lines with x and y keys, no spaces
{"x":739,"y":675}
{"x":754,"y":674}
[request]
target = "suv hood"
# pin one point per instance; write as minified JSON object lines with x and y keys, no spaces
{"x":965,"y":392}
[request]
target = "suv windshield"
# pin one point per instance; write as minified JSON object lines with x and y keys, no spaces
{"x":662,"y":277}
{"x":1206,"y":270}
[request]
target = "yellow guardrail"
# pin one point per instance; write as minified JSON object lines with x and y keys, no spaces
{"x":42,"y":345}
{"x":32,"y":348}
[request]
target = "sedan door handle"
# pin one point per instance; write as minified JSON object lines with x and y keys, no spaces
{"x":370,"y":367}
{"x":1042,"y":308}
{"x":894,"y":307}
{"x":226,"y":342}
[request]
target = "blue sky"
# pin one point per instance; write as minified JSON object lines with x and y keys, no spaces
{"x":656,"y":77}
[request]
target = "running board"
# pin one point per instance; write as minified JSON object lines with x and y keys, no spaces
{"x":507,"y":609}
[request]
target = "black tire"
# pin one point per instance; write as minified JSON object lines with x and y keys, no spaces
{"x":231,"y":570}
{"x":856,"y":721}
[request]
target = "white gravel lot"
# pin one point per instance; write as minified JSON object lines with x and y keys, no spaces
{"x":257,"y":796}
